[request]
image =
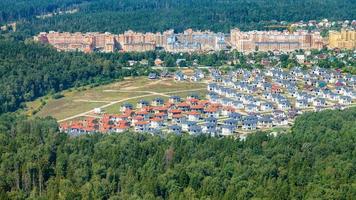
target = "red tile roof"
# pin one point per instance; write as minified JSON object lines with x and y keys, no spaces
{"x":193,"y":113}
{"x":175,"y":111}
{"x":142,"y":123}
{"x":183,"y":104}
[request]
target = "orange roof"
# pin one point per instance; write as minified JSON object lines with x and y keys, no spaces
{"x":175,"y":111}
{"x":142,"y":123}
{"x":147,"y":108}
{"x":204,"y":102}
{"x":183,"y":104}
{"x":159,"y":114}
{"x":193,"y":100}
{"x":122,"y":126}
{"x":211,"y":109}
{"x":217,"y":105}
{"x":138,"y":118}
{"x":160,"y":108}
{"x":177,"y":116}
{"x":142,"y":112}
{"x":125,"y":115}
{"x":169,"y":104}
{"x":122,"y":122}
{"x":197,"y":107}
{"x":229,"y":108}
{"x":156,"y":119}
{"x":193,"y":113}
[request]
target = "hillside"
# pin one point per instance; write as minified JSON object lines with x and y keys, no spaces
{"x":30,"y":70}
{"x":159,"y":15}
{"x":316,"y":160}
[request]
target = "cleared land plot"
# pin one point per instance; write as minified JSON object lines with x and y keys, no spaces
{"x":130,"y":90}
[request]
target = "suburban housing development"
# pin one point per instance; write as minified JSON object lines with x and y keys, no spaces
{"x":198,"y":41}
{"x":236,"y":103}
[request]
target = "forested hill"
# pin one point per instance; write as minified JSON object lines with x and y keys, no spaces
{"x":30,"y":70}
{"x":316,"y":161}
{"x":158,"y":15}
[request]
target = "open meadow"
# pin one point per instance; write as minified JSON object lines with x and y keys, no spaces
{"x":81,"y":102}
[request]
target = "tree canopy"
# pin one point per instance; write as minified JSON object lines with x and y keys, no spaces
{"x":159,"y":15}
{"x":30,"y":70}
{"x":315,"y":161}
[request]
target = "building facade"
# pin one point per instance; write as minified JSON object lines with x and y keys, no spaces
{"x":187,"y":41}
{"x":345,"y":39}
{"x":274,"y":40}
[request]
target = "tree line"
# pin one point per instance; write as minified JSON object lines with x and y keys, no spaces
{"x":159,"y":15}
{"x":29,"y":70}
{"x":315,"y":161}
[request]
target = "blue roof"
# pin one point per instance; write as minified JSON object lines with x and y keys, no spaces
{"x":195,"y":128}
{"x":210,"y":125}
{"x":175,"y":127}
{"x":235,"y":115}
{"x":210,"y":119}
{"x":230,"y":121}
{"x":174,"y":97}
{"x":143,"y":101}
{"x":190,"y":123}
{"x":158,"y":99}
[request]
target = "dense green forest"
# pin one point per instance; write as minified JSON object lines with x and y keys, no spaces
{"x":317,"y":160}
{"x":158,"y":15}
{"x":11,"y":10}
{"x":30,"y":70}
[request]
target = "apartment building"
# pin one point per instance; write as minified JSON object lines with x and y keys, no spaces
{"x":274,"y":40}
{"x":187,"y":41}
{"x":344,"y":39}
{"x":87,"y":42}
{"x":192,"y":41}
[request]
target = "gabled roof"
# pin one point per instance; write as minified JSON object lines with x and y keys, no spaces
{"x":142,"y":123}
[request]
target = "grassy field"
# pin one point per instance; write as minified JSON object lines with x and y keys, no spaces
{"x":130,"y":90}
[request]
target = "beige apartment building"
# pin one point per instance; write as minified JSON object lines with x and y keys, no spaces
{"x":187,"y":41}
{"x":274,"y":40}
{"x":87,"y":42}
{"x":344,"y":39}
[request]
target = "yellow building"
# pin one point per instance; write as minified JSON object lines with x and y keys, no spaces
{"x":346,"y":39}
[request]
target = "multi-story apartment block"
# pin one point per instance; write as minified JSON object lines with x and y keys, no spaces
{"x":79,"y":42}
{"x":188,"y":41}
{"x":345,"y":39}
{"x":274,"y":40}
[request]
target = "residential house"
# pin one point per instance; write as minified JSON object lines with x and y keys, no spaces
{"x":186,"y":125}
{"x":174,"y":99}
{"x":195,"y":130}
{"x":227,"y":130}
{"x":319,"y":102}
{"x":175,"y":129}
{"x":209,"y":129}
{"x":249,"y":124}
{"x":266,"y":106}
{"x":193,"y":116}
{"x":156,"y":123}
{"x":157,"y":101}
{"x":126,"y":106}
{"x":142,"y":126}
{"x":142,"y":103}
{"x":345,"y":100}
{"x":265,"y":122}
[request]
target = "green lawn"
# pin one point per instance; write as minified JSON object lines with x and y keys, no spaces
{"x":77,"y":101}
